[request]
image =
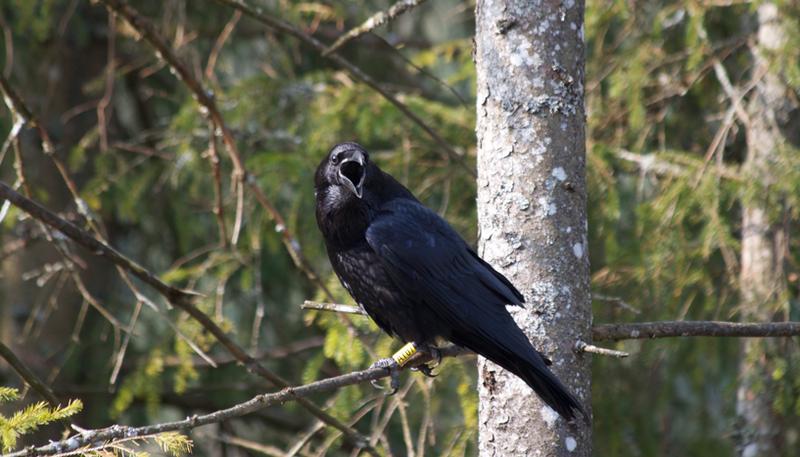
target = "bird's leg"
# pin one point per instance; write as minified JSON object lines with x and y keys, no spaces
{"x":436,"y":356}
{"x":393,"y":364}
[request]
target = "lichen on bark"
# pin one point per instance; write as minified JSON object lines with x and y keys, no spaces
{"x":532,"y":211}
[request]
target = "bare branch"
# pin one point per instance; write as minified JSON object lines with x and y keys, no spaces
{"x":581,"y":346}
{"x":668,"y":329}
{"x":28,"y":376}
{"x":223,"y":37}
{"x":259,"y":15}
{"x":375,"y":21}
{"x":335,"y":307}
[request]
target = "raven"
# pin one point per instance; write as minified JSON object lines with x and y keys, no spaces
{"x":416,"y":277}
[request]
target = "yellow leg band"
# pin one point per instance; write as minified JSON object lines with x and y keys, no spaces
{"x":405,"y":353}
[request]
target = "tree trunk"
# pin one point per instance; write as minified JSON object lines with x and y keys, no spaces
{"x":762,"y":282}
{"x":532,"y":211}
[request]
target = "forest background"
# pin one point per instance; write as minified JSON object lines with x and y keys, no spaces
{"x":672,"y":90}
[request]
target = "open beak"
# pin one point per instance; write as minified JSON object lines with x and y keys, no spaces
{"x":352,"y":172}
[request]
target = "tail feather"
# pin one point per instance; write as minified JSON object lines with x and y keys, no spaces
{"x":531,"y":367}
{"x":549,"y":389}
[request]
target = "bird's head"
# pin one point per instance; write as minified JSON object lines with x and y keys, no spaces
{"x":345,"y":167}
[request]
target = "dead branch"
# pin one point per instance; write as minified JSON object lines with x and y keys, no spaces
{"x":581,"y":346}
{"x":374,"y":21}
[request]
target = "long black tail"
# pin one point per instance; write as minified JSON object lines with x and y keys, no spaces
{"x":529,"y":365}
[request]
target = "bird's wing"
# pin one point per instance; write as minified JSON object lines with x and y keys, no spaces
{"x":435,"y":268}
{"x":424,"y":254}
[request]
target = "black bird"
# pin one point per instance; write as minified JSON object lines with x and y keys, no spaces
{"x":416,"y":277}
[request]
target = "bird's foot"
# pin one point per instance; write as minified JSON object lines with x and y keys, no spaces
{"x":393,"y":364}
{"x":427,"y":368}
{"x":394,"y":374}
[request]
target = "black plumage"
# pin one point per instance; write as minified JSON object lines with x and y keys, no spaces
{"x":416,"y":277}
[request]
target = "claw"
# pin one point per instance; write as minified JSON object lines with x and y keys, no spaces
{"x":427,"y":368}
{"x":394,"y":374}
{"x":436,"y":354}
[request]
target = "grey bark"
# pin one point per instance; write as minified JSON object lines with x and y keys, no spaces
{"x":762,"y":282}
{"x":532,"y":211}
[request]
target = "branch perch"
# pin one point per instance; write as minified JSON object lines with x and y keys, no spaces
{"x":88,"y":440}
{"x":645,"y":330}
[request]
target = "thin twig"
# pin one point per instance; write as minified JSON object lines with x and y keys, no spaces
{"x":28,"y":376}
{"x":102,"y":106}
{"x":375,"y":21}
{"x":221,"y":39}
{"x":125,"y":341}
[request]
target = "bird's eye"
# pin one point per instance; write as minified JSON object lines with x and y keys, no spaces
{"x":335,"y":159}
